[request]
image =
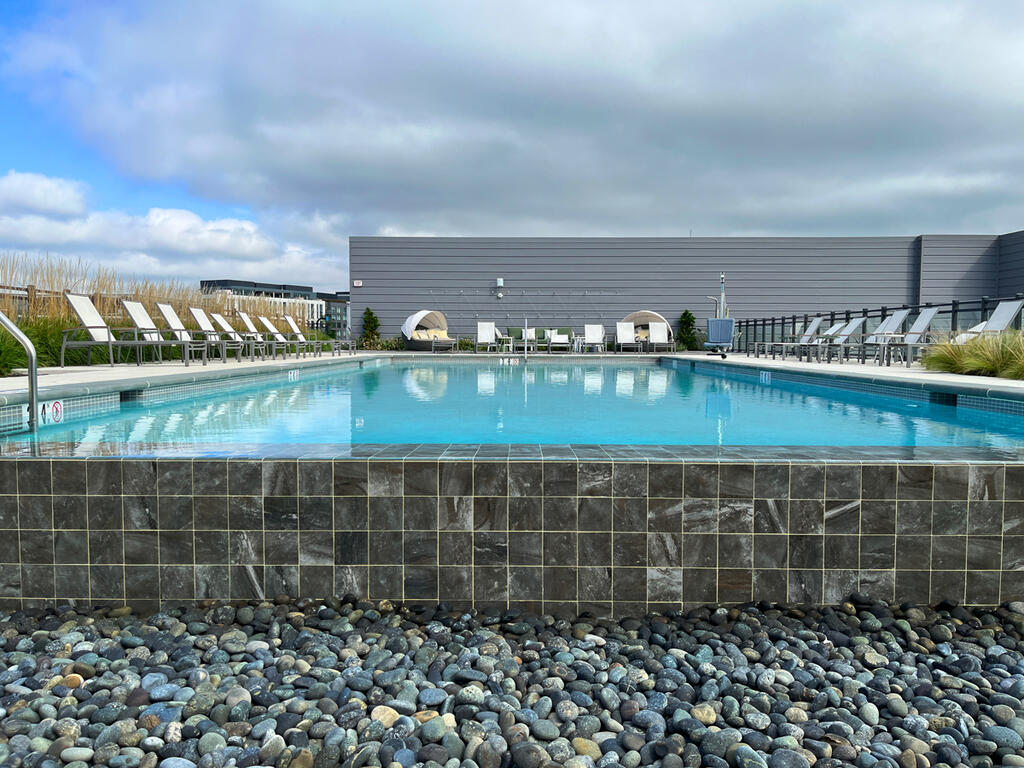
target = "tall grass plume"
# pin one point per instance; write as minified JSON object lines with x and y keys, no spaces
{"x":999,"y":355}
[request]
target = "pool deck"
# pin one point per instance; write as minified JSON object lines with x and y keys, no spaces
{"x":75,"y":381}
{"x":55,"y":383}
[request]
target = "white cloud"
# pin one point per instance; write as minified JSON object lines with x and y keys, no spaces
{"x":33,"y":192}
{"x":172,"y":242}
{"x":453,"y":117}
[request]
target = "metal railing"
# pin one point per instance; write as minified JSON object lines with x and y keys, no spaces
{"x":33,"y":368}
{"x":952,"y":317}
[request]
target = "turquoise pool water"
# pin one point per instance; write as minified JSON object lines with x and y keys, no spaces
{"x":550,"y":403}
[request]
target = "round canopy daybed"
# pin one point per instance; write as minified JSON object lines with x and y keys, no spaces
{"x":423,"y":330}
{"x":642,"y":320}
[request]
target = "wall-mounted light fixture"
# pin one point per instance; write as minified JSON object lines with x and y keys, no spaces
{"x":499,"y":285}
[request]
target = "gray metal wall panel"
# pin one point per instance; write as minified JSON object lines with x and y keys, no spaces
{"x":572,"y":281}
{"x":1011,"y":263}
{"x":959,"y":267}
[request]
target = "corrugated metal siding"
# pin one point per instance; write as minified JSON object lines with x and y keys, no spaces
{"x":572,"y":281}
{"x":959,"y":267}
{"x":1011,"y":263}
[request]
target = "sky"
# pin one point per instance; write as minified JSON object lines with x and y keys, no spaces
{"x":250,"y":139}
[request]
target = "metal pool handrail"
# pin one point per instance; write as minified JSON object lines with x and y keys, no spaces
{"x":33,"y":368}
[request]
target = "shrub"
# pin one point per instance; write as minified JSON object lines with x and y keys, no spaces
{"x":993,"y":355}
{"x":378,"y":344}
{"x":371,"y":329}
{"x":687,"y":336}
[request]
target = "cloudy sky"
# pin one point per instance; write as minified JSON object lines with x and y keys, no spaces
{"x":249,"y":139}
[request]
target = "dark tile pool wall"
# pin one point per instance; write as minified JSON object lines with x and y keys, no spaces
{"x":607,"y":536}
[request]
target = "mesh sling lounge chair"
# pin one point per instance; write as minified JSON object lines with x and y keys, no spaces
{"x":625,"y":336}
{"x":814,"y":345}
{"x":841,"y":342}
{"x":997,"y":322}
{"x":252,"y":344}
{"x":903,"y":346}
{"x":317,"y":345}
{"x":154,"y":339}
{"x":1000,"y":319}
{"x":335,"y":344}
{"x":222,"y":342}
{"x":880,"y":337}
{"x":179,"y":331}
{"x":96,"y":328}
{"x":660,"y":337}
{"x":805,"y":337}
{"x":301,"y":347}
{"x":252,"y":333}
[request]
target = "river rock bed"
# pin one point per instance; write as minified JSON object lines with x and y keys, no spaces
{"x":343,"y":682}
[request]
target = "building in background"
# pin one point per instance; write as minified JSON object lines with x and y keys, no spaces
{"x":325,"y":311}
{"x":569,"y":281}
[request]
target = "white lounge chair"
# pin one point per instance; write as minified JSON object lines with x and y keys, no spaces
{"x":316,"y":345}
{"x":301,"y":347}
{"x":98,"y":332}
{"x":594,"y":336}
{"x":211,"y":338}
{"x":251,"y":332}
{"x":625,"y":336}
{"x":660,"y":337}
{"x":222,"y":342}
{"x":146,"y":329}
{"x":486,"y":337}
{"x":252,"y":344}
{"x":560,"y":338}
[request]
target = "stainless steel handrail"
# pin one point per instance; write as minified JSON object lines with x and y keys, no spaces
{"x":33,"y":369}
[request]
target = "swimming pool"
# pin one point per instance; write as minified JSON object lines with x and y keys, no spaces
{"x":632,"y":403}
{"x":609,"y":485}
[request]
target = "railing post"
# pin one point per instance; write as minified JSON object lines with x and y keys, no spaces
{"x":33,"y":369}
{"x":984,"y":307}
{"x":954,"y":316}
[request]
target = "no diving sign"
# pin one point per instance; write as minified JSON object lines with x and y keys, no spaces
{"x":50,"y":412}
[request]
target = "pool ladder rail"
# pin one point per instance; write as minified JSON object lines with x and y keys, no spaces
{"x":33,"y":369}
